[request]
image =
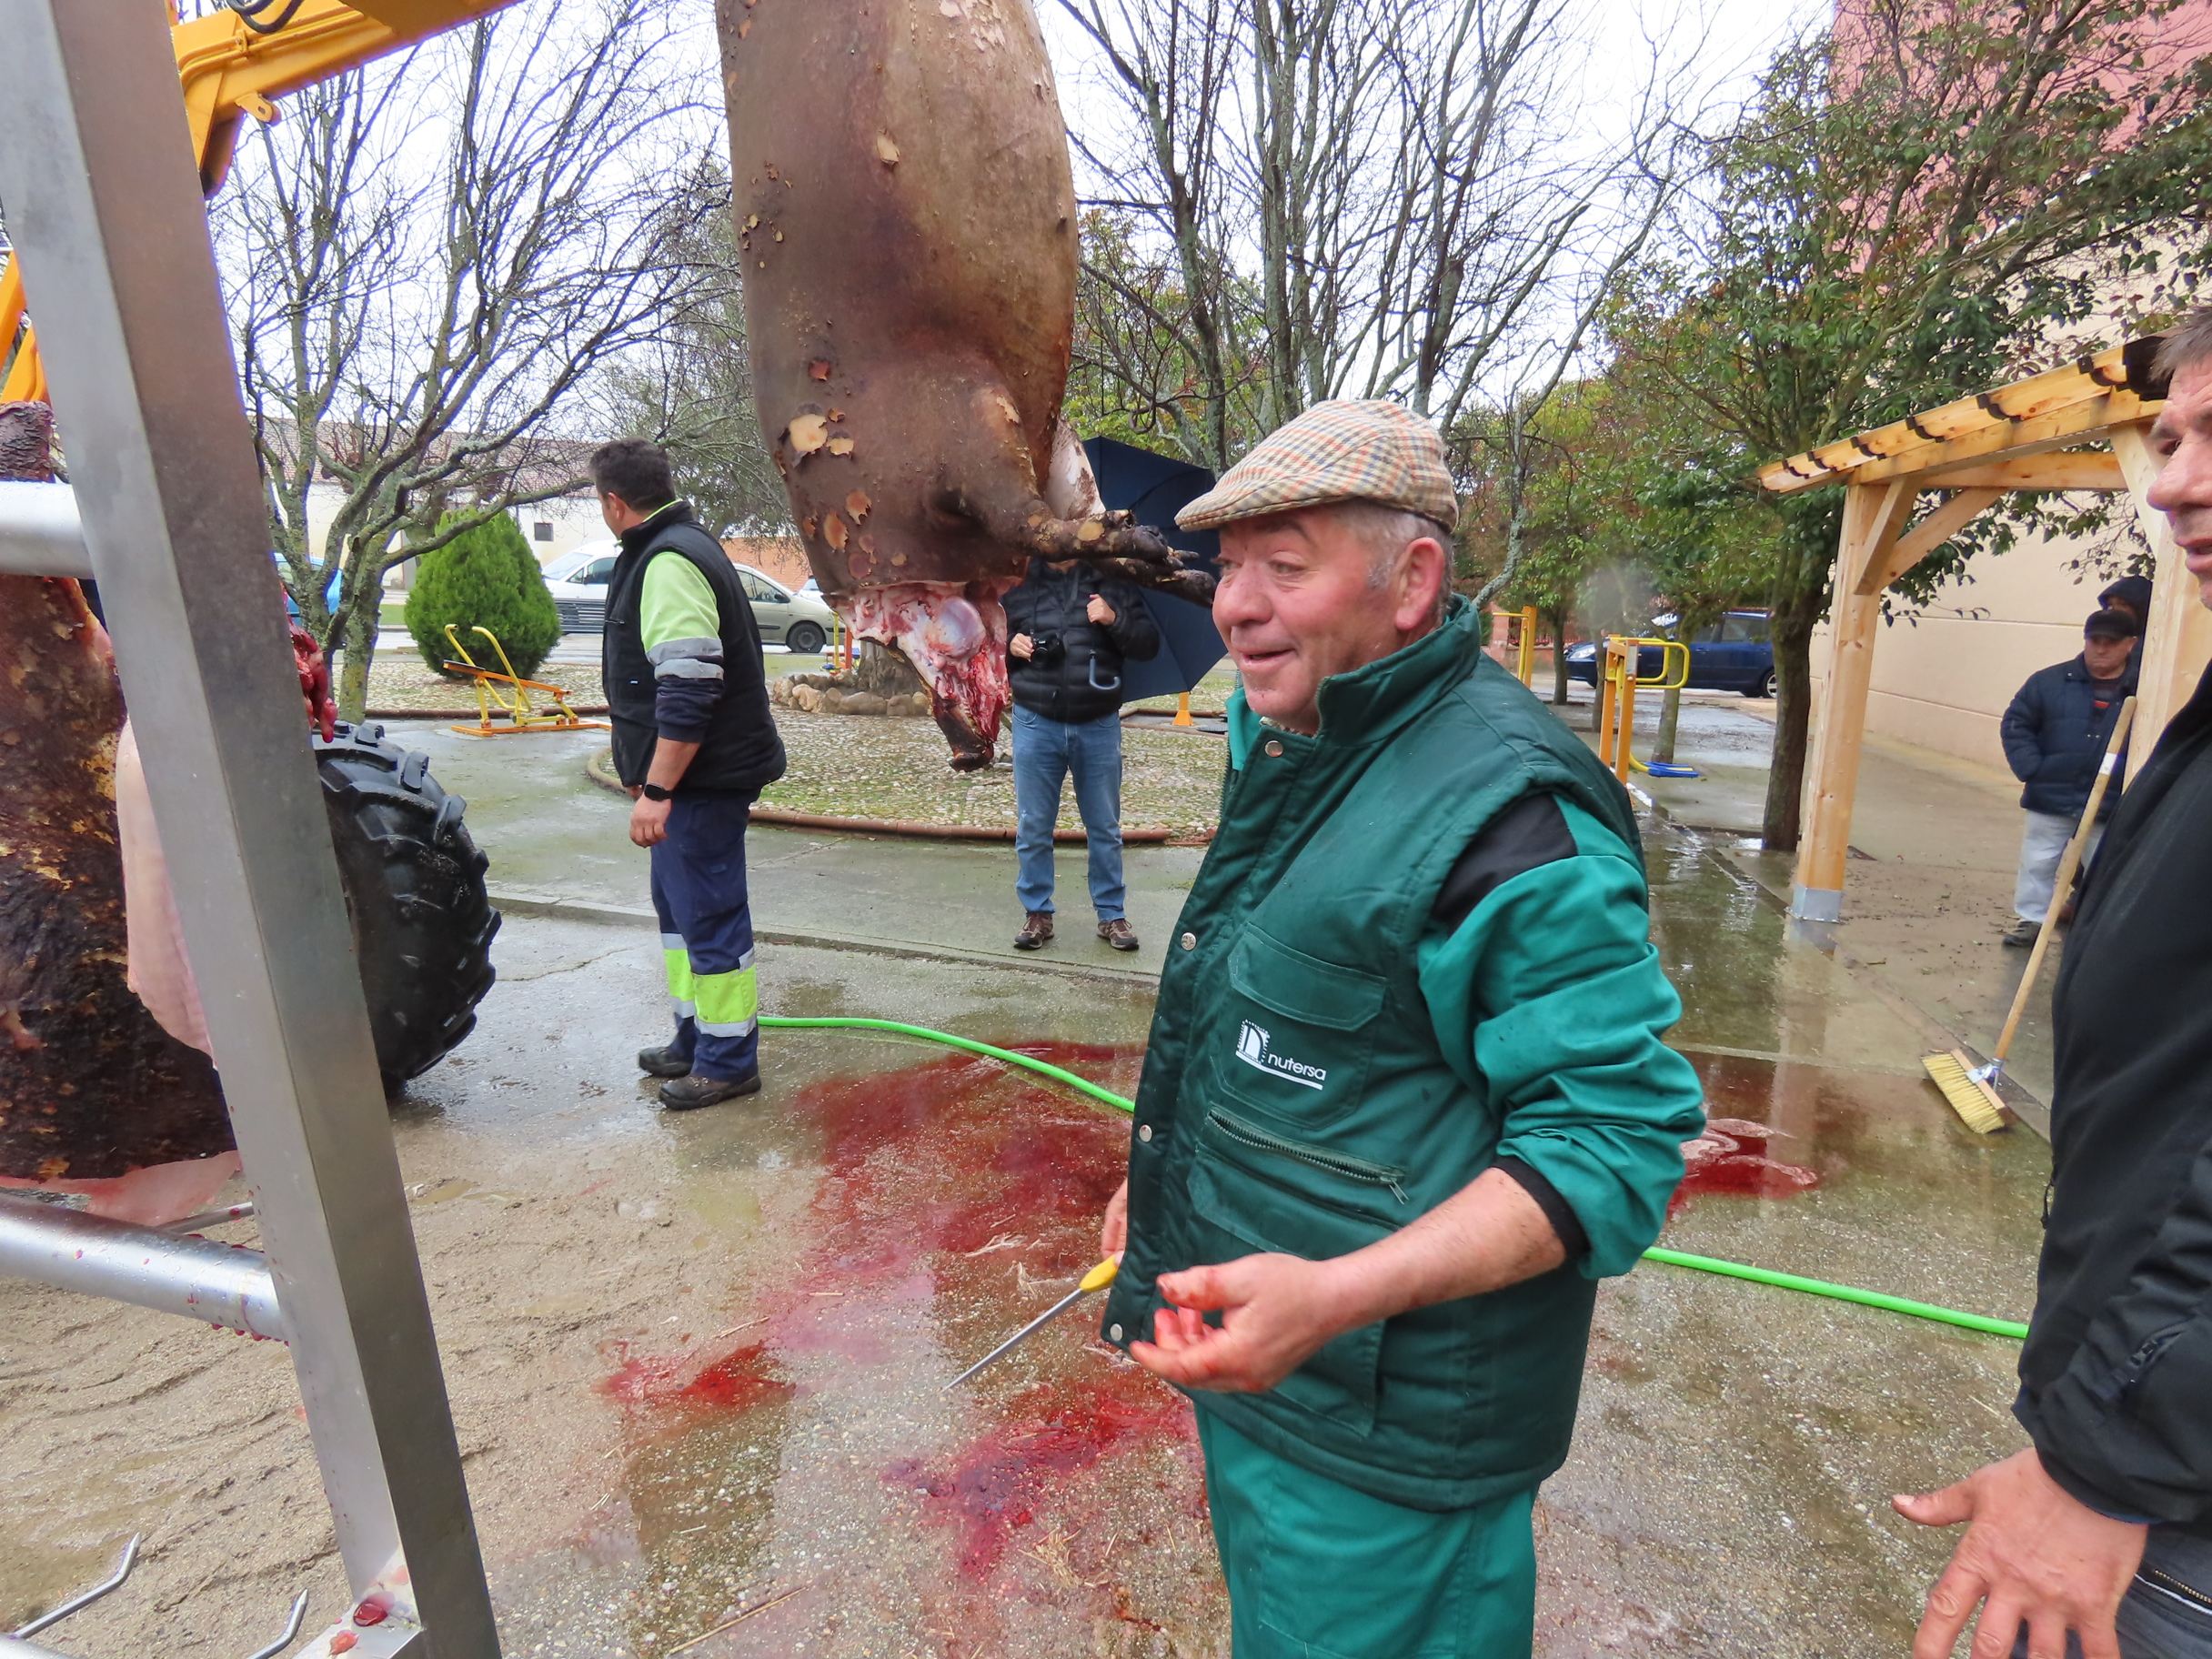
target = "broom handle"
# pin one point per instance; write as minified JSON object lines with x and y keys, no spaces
{"x":2068,"y":862}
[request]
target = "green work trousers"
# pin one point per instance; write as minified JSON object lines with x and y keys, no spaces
{"x":1319,"y":1570}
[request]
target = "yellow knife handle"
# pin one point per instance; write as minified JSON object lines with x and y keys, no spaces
{"x":1100,"y":1276}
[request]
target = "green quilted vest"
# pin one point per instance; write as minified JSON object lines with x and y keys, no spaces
{"x":1294,"y":1097}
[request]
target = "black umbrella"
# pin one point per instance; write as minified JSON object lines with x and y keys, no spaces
{"x":1154,"y":487}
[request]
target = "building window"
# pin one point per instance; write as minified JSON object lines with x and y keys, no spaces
{"x":544,"y":529}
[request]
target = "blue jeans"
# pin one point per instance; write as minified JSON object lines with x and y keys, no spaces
{"x":1045,"y":752}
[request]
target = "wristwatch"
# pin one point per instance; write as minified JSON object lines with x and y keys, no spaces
{"x":653,"y":791}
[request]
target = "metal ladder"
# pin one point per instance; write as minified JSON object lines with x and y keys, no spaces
{"x":165,"y":509}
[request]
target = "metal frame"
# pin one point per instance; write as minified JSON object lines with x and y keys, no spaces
{"x":2022,"y":437}
{"x":105,"y":209}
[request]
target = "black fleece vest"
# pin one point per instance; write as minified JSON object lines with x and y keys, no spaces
{"x":741,"y":749}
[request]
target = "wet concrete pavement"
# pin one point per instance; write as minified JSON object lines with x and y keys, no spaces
{"x":699,"y":1361}
{"x":1934,"y":842}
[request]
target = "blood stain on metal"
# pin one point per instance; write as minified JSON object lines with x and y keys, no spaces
{"x":373,"y":1610}
{"x":345,"y":1641}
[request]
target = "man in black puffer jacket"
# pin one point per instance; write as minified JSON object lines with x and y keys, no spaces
{"x":2097,"y":1540}
{"x":1069,"y":630}
{"x":2055,"y":737}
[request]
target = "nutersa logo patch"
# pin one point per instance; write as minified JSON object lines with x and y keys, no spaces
{"x":1255,"y":1050}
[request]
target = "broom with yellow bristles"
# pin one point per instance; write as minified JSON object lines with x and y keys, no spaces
{"x":1972,"y":1089}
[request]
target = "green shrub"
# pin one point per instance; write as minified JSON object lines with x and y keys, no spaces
{"x":483,"y":578}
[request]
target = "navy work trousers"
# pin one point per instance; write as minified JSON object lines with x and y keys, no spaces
{"x":707,"y":931}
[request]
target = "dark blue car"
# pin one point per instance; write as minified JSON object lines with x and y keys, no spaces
{"x":1732,"y":654}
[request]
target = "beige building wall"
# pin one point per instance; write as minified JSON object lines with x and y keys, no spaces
{"x":1943,"y":673}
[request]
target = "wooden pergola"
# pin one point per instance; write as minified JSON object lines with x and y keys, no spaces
{"x":2081,"y":427}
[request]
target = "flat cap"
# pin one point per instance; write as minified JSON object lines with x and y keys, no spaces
{"x":1344,"y":451}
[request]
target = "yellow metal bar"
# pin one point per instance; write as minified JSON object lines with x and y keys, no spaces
{"x":522,"y":698}
{"x":1628,"y":711}
{"x":1608,"y":701}
{"x":1526,"y":670}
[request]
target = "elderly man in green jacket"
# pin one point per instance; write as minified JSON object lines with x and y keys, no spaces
{"x":1405,"y":1101}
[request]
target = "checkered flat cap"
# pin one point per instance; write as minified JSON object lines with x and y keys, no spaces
{"x":1345,"y":450}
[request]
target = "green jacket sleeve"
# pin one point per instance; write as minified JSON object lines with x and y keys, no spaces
{"x":1549,"y":1000}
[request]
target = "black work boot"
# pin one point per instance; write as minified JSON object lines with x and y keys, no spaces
{"x":689,"y":1093}
{"x":1035,"y":931}
{"x":663,"y":1061}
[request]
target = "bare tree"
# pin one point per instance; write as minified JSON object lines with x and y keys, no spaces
{"x":432,"y":263}
{"x":1382,"y":198}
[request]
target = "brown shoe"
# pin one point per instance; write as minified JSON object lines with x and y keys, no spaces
{"x":1035,"y":931}
{"x":1119,"y":934}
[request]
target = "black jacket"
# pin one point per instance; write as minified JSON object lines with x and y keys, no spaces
{"x":2116,"y":1380}
{"x":2054,"y":735}
{"x":739,"y":745}
{"x":1075,"y":673}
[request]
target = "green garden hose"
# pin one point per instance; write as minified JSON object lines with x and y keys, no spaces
{"x":1671,"y":1258}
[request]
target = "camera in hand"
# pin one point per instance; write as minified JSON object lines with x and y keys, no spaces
{"x":1047,"y":648}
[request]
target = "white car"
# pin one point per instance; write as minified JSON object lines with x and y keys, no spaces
{"x":577,"y":582}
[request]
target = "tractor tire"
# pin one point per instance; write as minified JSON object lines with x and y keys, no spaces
{"x":414,"y":884}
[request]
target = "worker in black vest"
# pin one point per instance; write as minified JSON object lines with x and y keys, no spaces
{"x":695,"y":745}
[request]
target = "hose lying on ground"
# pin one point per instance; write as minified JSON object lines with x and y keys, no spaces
{"x":1671,"y":1258}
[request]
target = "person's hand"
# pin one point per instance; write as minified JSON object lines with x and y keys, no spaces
{"x":1020,"y":648}
{"x":1275,"y":1312}
{"x":649,"y":822}
{"x":2035,"y":1555}
{"x":1114,"y":1232}
{"x":1100,"y":612}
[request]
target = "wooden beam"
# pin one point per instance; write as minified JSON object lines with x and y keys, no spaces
{"x":1872,"y":518}
{"x":2077,"y":424}
{"x":1883,"y":510}
{"x":2081,"y":381}
{"x":1947,"y":520}
{"x":2178,"y":634}
{"x":2060,"y":470}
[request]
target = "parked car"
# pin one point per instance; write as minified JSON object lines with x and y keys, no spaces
{"x":577,"y":582}
{"x":1732,"y":654}
{"x":801,"y":620}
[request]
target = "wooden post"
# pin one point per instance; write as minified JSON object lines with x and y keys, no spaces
{"x":2178,"y":634}
{"x":1874,"y":515}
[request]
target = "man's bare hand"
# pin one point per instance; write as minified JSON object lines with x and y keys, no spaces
{"x":1100,"y":612}
{"x":2033,"y":1555}
{"x":1020,"y":648}
{"x":1275,"y":1312}
{"x":649,"y":822}
{"x":1114,"y":1232}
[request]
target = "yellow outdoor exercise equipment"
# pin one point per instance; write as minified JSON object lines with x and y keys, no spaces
{"x":1617,"y":686}
{"x":510,"y":693}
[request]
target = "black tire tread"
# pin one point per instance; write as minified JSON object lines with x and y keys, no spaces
{"x":414,"y":881}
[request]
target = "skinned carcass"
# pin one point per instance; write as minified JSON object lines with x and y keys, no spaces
{"x":92,"y":1088}
{"x":906,"y":220}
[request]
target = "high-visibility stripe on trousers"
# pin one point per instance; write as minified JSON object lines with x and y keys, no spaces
{"x":707,"y":931}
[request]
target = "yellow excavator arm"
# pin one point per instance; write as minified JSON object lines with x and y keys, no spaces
{"x":233,"y":64}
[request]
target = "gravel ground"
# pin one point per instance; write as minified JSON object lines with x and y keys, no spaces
{"x":398,"y":681}
{"x":856,"y":766}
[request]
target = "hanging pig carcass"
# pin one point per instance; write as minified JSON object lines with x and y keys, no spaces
{"x":906,"y":220}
